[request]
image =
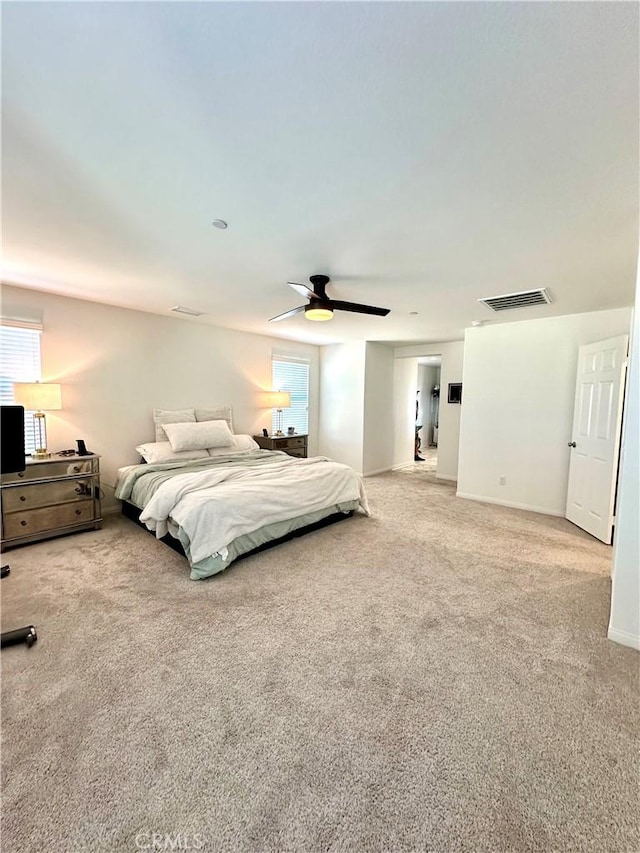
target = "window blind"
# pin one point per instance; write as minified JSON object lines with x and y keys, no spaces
{"x":292,"y":375}
{"x":19,"y":362}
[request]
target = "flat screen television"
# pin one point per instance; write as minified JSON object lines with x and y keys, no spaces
{"x":12,"y":450}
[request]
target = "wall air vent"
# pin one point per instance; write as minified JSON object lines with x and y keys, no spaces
{"x":180,"y":309}
{"x":517,"y":300}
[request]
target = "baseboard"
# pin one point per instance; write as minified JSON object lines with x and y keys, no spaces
{"x":401,"y":466}
{"x":378,"y":471}
{"x":624,"y":638}
{"x":447,"y":477}
{"x":512,"y":504}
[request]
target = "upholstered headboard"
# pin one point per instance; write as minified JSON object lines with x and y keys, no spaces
{"x":180,"y":416}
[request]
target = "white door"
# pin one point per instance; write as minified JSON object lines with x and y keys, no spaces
{"x":595,"y":443}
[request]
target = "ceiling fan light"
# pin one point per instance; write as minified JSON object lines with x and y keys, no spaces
{"x":318,"y":313}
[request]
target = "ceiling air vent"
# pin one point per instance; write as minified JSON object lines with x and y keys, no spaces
{"x":180,"y":309}
{"x":517,"y":300}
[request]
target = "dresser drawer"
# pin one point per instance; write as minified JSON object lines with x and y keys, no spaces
{"x":30,"y":496}
{"x":48,"y":518}
{"x":294,"y":445}
{"x":49,"y":470}
{"x":289,"y":443}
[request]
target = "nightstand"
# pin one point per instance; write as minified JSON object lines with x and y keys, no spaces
{"x":294,"y":445}
{"x":49,"y":498}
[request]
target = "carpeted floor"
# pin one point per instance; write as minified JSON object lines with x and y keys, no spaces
{"x":434,"y":678}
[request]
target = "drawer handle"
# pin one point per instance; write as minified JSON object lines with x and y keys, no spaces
{"x":78,"y":512}
{"x":22,"y":498}
{"x":23,"y":523}
{"x":21,"y":474}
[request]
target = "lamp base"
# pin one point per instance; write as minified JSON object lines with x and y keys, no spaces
{"x":278,"y":433}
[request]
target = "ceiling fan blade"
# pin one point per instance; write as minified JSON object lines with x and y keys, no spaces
{"x":359,"y":309}
{"x":302,"y":289}
{"x":286,"y":314}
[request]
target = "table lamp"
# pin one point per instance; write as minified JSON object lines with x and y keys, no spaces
{"x":279,"y":400}
{"x":37,"y":397}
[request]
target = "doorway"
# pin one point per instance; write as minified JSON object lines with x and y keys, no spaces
{"x":428,"y":410}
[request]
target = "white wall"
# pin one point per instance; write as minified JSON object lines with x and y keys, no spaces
{"x":518,"y":394}
{"x":341,"y":423}
{"x":116,"y":365}
{"x":452,"y":354}
{"x":378,"y":409}
{"x":405,"y":378}
{"x":624,"y":624}
{"x":356,"y":412}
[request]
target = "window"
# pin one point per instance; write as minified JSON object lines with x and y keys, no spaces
{"x":19,"y":362}
{"x":292,"y":375}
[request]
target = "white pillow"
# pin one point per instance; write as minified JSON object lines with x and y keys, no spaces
{"x":244,"y":444}
{"x":199,"y":436}
{"x":171,"y":416}
{"x":160,"y":451}
{"x":222,"y":413}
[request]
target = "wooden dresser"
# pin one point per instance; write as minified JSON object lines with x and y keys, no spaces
{"x":294,"y":445}
{"x":50,"y":497}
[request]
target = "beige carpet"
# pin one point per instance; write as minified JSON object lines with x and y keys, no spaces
{"x":434,"y":678}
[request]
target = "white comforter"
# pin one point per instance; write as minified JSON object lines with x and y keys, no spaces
{"x":214,"y":507}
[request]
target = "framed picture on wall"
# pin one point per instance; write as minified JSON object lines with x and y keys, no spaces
{"x":455,"y":392}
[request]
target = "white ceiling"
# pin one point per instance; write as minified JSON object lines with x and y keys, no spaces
{"x":423,"y":155}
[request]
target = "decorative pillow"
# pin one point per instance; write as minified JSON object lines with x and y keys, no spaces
{"x":169,"y":416}
{"x":199,"y":436}
{"x":160,"y":451}
{"x":244,"y":444}
{"x":222,"y":413}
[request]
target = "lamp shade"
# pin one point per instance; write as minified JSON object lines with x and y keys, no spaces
{"x":278,"y":399}
{"x":38,"y":396}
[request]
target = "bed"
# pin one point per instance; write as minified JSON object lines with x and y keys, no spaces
{"x":232,"y":502}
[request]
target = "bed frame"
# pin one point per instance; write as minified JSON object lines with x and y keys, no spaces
{"x":132,"y":512}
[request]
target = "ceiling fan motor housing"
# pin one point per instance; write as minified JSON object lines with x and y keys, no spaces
{"x":319,"y":283}
{"x":317,"y":302}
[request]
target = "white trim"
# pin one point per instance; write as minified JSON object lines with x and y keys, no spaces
{"x":624,"y":638}
{"x":401,"y":466}
{"x":446,"y":477}
{"x":293,"y":359}
{"x":20,"y":324}
{"x":527,"y":507}
{"x":378,"y":471}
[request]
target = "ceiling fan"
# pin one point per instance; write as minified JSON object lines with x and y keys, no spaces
{"x":320,"y":307}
